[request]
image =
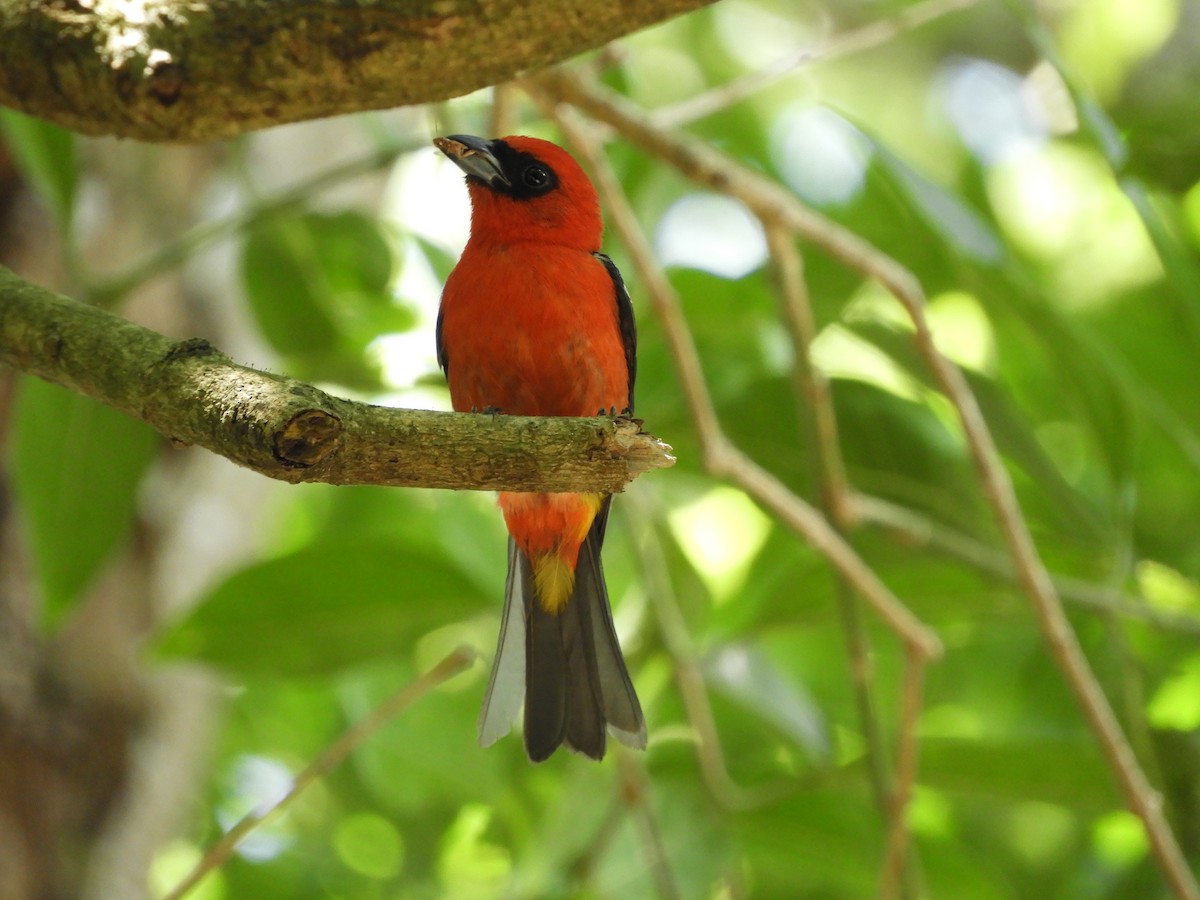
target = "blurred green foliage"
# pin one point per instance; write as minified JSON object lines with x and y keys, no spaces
{"x":1061,"y":274}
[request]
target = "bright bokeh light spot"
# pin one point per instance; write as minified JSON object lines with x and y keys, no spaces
{"x":962,"y":330}
{"x":1061,"y":205}
{"x":1176,"y":703}
{"x":1039,"y":199}
{"x":470,"y":866}
{"x":1166,"y":588}
{"x":1040,"y":831}
{"x":992,"y":108}
{"x":659,"y":74}
{"x":871,"y":303}
{"x":173,"y":863}
{"x":426,"y":195}
{"x":1104,"y":39}
{"x":721,"y":533}
{"x":840,"y":353}
{"x":369,"y":844}
{"x":256,"y":784}
{"x":953,"y":720}
{"x":1191,"y":212}
{"x":849,"y":745}
{"x":821,"y":156}
{"x":930,"y":814}
{"x":711,"y":233}
{"x":754,"y":34}
{"x":1120,"y":839}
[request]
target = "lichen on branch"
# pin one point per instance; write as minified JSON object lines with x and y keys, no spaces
{"x":198,"y":70}
{"x":289,"y":430}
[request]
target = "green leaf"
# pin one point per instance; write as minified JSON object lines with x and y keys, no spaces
{"x":287,"y":290}
{"x":1064,"y":770}
{"x":1011,"y":427}
{"x":435,"y":737}
{"x":748,"y":677}
{"x":318,"y":286}
{"x":951,"y":218}
{"x":45,"y":153}
{"x":327,"y":606}
{"x":76,"y":466}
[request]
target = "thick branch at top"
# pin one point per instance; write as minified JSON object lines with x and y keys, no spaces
{"x":292,"y":431}
{"x":195,"y":70}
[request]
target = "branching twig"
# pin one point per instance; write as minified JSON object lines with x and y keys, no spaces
{"x":721,"y":458}
{"x":290,"y":430}
{"x":772,"y":204}
{"x":816,"y":401}
{"x":816,"y":407}
{"x":915,"y":529}
{"x":329,"y":759}
{"x":812,"y":385}
{"x":692,"y":687}
{"x":1035,"y":579}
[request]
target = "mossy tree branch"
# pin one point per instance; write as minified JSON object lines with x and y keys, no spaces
{"x":291,"y":431}
{"x":197,"y":70}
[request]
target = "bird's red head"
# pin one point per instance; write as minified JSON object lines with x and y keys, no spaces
{"x":525,"y":189}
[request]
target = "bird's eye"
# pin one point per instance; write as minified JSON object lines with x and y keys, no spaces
{"x":535,"y":177}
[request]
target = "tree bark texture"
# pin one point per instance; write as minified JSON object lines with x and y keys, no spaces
{"x":289,"y":430}
{"x":198,"y":70}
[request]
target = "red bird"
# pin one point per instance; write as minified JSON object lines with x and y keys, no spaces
{"x":536,"y":321}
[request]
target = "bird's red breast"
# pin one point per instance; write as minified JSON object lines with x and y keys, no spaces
{"x":531,"y":329}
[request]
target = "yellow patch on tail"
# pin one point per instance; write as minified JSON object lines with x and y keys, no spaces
{"x":553,"y":579}
{"x":554,"y":572}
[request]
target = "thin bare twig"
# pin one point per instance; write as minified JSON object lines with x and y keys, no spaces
{"x":906,"y":775}
{"x":503,"y":115}
{"x":854,"y":41}
{"x":692,"y":687}
{"x":817,"y":412}
{"x":915,"y":529}
{"x":812,"y":385}
{"x":110,"y":291}
{"x":329,"y":759}
{"x":635,"y":795}
{"x":1141,"y":796}
{"x":816,"y":405}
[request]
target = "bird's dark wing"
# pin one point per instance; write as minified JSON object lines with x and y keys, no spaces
{"x":624,"y":320}
{"x":442,"y":358}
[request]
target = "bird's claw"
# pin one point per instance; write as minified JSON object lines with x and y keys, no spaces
{"x":611,"y":412}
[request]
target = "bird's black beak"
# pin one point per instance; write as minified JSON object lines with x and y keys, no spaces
{"x":471,"y":154}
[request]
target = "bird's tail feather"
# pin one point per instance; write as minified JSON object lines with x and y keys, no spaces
{"x":575,"y":680}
